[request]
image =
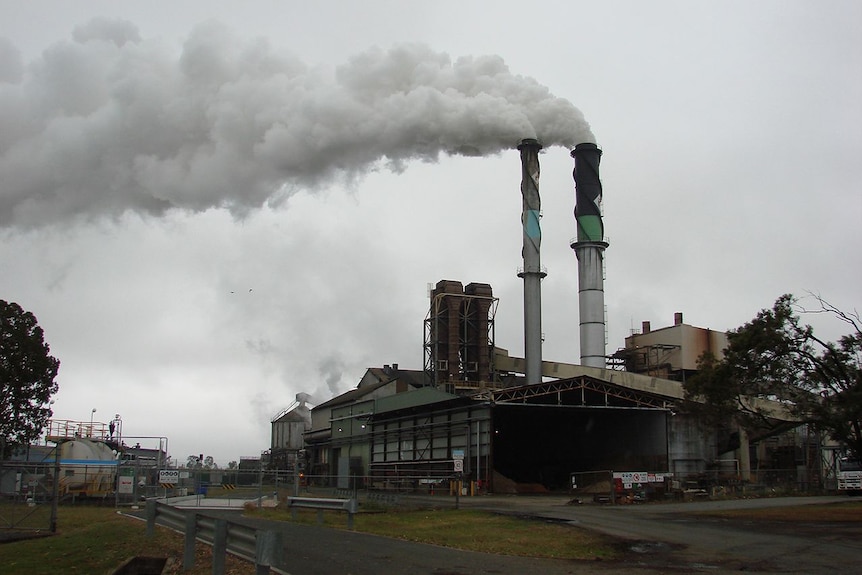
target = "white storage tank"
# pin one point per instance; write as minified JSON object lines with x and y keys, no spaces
{"x":87,"y":467}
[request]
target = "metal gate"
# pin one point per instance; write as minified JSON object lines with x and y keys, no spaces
{"x":27,"y":501}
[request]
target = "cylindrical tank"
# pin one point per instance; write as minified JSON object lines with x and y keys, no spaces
{"x":87,"y":466}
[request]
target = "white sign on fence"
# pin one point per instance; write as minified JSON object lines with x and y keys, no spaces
{"x":170,"y":476}
{"x":126,"y":485}
{"x":632,"y":476}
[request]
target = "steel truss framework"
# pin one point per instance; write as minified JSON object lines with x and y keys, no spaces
{"x":583,"y":384}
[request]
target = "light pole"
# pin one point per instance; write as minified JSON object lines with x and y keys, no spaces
{"x":92,"y":413}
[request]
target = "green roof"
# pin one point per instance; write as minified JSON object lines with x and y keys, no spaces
{"x":407,"y":399}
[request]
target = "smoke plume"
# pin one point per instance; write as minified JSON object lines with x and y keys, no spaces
{"x":108,"y":122}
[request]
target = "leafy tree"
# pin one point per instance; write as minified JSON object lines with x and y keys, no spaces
{"x":27,"y":373}
{"x":775,"y":357}
{"x":201,"y":462}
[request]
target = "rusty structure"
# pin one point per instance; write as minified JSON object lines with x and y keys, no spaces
{"x":670,"y":352}
{"x":459,"y":336}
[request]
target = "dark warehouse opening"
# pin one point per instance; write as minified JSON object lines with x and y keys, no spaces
{"x":545,"y":444}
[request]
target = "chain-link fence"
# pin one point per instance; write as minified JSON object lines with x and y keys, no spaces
{"x":759,"y":482}
{"x":400,"y":482}
{"x":27,"y":497}
{"x":223,"y":484}
{"x":628,"y":487}
{"x":278,"y":484}
{"x":27,"y":490}
{"x":595,"y":486}
{"x":621,"y":486}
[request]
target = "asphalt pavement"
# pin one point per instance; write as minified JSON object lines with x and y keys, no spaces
{"x":679,"y":536}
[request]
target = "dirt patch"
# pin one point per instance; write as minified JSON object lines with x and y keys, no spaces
{"x":845,"y":511}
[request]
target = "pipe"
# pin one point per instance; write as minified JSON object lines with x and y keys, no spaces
{"x":532,"y":273}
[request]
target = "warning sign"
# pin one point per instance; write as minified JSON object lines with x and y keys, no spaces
{"x":169,"y":476}
{"x":630,"y":479}
{"x":126,"y":485}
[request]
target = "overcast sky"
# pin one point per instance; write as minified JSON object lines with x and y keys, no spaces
{"x":213,"y":206}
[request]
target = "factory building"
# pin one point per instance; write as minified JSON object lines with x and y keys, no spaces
{"x":671,"y":352}
{"x":288,"y":429}
{"x":338,"y":442}
{"x":512,"y":424}
{"x":398,"y":427}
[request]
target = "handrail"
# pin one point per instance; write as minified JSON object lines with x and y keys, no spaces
{"x":263,"y":548}
{"x":324,"y":504}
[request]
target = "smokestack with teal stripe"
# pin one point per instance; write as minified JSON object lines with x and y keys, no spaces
{"x":589,"y":249}
{"x":532,"y":273}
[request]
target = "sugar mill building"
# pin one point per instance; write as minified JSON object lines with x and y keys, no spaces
{"x":399,"y":427}
{"x":512,"y":424}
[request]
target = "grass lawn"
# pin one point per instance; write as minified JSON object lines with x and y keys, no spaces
{"x":469,"y":530}
{"x":97,"y":540}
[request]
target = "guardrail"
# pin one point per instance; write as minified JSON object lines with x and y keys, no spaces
{"x":264,"y":548}
{"x":324,"y":504}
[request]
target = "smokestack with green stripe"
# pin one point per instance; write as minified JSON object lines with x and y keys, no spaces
{"x":589,"y":249}
{"x":588,"y":193}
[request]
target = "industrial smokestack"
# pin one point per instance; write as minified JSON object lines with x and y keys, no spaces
{"x":589,"y":249}
{"x":532,"y":272}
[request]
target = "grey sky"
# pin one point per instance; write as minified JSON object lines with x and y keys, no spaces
{"x":730,"y":130}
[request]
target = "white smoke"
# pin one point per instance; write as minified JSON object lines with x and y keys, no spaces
{"x":108,"y":122}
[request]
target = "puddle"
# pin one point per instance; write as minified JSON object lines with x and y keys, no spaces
{"x":649,"y":547}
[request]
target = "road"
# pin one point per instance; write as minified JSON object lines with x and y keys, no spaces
{"x":658,"y":538}
{"x":674,"y":535}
